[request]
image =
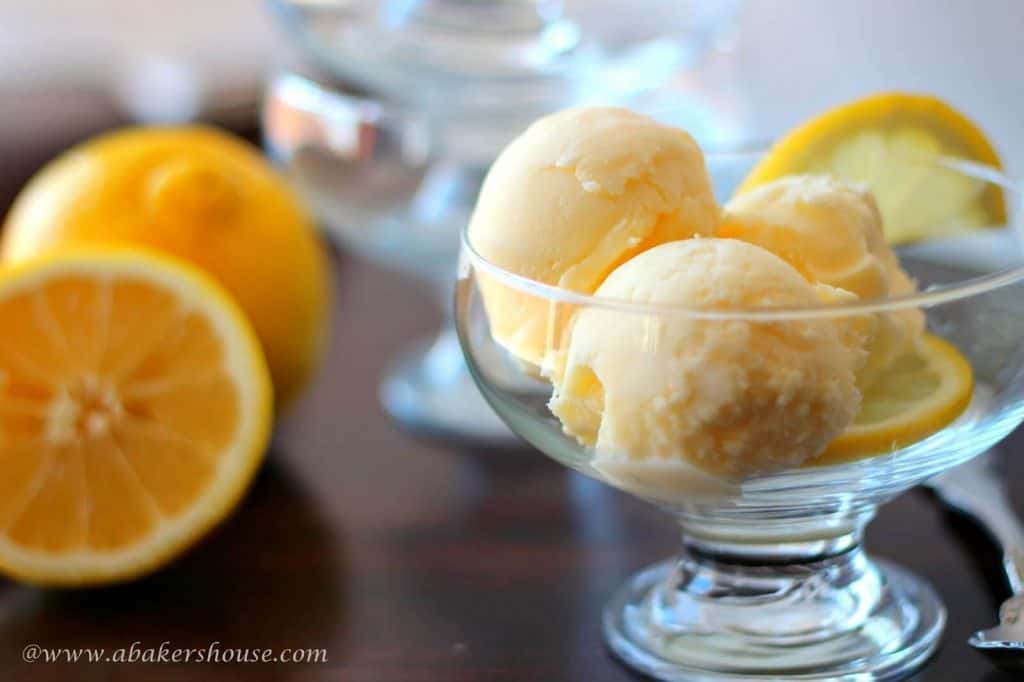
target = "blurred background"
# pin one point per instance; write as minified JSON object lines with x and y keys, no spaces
{"x":70,"y":66}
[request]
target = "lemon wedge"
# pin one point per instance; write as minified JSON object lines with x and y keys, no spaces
{"x":919,"y":394}
{"x":893,"y":143}
{"x":135,"y":409}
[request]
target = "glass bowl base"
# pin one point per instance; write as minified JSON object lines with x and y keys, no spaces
{"x":428,"y":390}
{"x":703,"y":639}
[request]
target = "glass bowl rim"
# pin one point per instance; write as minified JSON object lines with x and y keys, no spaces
{"x":933,"y":296}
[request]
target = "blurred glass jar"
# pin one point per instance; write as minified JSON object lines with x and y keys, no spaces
{"x":394,"y":174}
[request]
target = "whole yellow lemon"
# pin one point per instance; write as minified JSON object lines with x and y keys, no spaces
{"x":203,"y":196}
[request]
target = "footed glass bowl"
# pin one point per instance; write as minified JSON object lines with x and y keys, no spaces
{"x":445,"y":85}
{"x":772,"y":581}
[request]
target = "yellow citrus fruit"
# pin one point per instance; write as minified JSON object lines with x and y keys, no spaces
{"x":205,"y":197}
{"x":135,"y":408}
{"x":920,"y":393}
{"x":892,"y":142}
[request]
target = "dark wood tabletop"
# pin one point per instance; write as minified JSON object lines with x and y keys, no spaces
{"x":414,"y":561}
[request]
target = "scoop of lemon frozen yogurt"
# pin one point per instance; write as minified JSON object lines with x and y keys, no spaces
{"x":831,"y":231}
{"x":731,"y":396}
{"x":576,"y":194}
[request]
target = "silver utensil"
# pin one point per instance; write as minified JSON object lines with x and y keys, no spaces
{"x":976,"y":489}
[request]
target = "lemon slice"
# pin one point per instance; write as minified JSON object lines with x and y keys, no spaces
{"x":919,"y":394}
{"x":892,"y":142}
{"x":135,"y":408}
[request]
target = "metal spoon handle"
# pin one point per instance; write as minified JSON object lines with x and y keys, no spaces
{"x":1013,"y":565}
{"x":976,"y":490}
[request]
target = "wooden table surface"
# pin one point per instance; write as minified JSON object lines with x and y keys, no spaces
{"x":420,"y":562}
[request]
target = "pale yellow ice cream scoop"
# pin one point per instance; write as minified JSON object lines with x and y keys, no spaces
{"x":733,"y":397}
{"x":831,"y":231}
{"x":575,"y":195}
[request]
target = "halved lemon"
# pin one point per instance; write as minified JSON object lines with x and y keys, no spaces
{"x":920,"y":393}
{"x":893,"y":143}
{"x":135,"y":408}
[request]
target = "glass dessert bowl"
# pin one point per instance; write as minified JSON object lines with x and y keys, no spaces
{"x":394,"y":172}
{"x":772,"y":579}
